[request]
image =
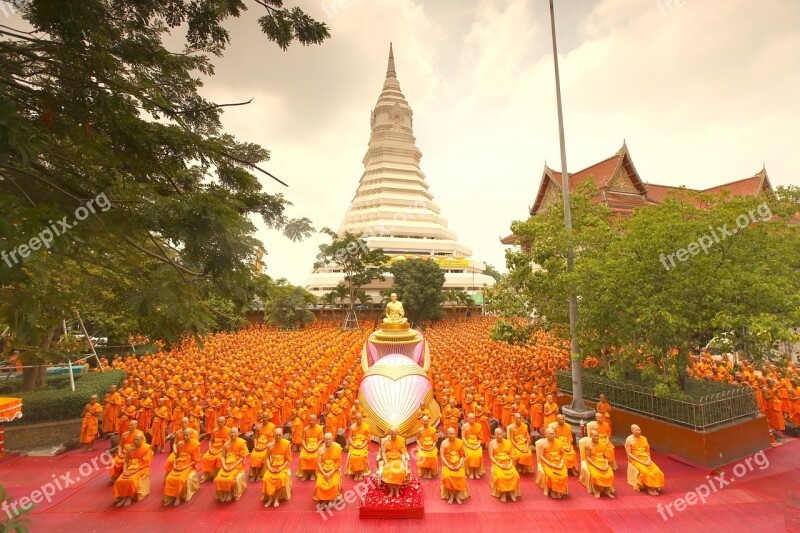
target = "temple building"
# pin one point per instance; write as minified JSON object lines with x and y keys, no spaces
{"x":393,"y":206}
{"x":620,"y":187}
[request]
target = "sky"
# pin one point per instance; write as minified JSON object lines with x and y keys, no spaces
{"x":702,"y":91}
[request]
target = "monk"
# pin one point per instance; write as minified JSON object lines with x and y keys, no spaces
{"x":550,"y":411}
{"x":537,"y":409}
{"x":472,"y":433}
{"x":125,"y":440}
{"x":552,"y":474}
{"x":604,"y":407}
{"x":229,"y":485}
{"x":158,"y":429}
{"x":394,"y":461}
{"x":604,"y":430}
{"x":309,"y":452}
{"x":600,"y":478}
{"x":454,"y":477}
{"x":794,"y":402}
{"x":212,"y":460}
{"x":773,"y":406}
{"x":276,"y":484}
{"x":91,"y":413}
{"x":112,"y":402}
{"x":263,"y":437}
{"x":504,"y":479}
{"x":521,"y":453}
{"x":329,"y":471}
{"x":358,"y":457}
{"x":427,"y":454}
{"x":136,"y":470}
{"x":564,"y":435}
{"x":182,"y":481}
{"x":642,"y":471}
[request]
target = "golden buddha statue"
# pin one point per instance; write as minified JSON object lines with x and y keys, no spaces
{"x":394,"y":311}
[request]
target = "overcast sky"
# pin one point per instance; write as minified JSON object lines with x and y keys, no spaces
{"x":703,"y":91}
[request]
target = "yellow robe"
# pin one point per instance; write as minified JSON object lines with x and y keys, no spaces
{"x":472,"y":443}
{"x":358,"y":456}
{"x":115,"y":468}
{"x":263,"y":439}
{"x":600,"y":478}
{"x":138,"y":469}
{"x":183,"y":467}
{"x":427,"y":454}
{"x":454,"y":479}
{"x":502,"y":479}
{"x":310,"y":449}
{"x":213,"y":456}
{"x":277,"y":481}
{"x":564,"y":436}
{"x":394,"y":472}
{"x":650,"y":475}
{"x":549,"y":478}
{"x":330,"y":463}
{"x":521,"y":452}
{"x":226,"y":479}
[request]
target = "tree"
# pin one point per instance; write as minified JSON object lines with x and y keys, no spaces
{"x":418,"y":284}
{"x":103,"y":131}
{"x":361,"y":265}
{"x":327,"y":299}
{"x":288,"y":306}
{"x":492,"y":271}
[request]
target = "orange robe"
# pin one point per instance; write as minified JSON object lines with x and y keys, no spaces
{"x":358,"y":456}
{"x":90,"y":423}
{"x":472,"y":442}
{"x":564,"y":436}
{"x":159,"y":429}
{"x":226,"y":479}
{"x":111,"y":407}
{"x":213,"y":456}
{"x":277,"y":474}
{"x":600,"y":478}
{"x":312,"y":439}
{"x":138,"y":467}
{"x":185,"y":463}
{"x":331,"y":463}
{"x":521,"y":452}
{"x":504,"y":479}
{"x":537,"y":414}
{"x":605,"y":408}
{"x":260,"y":446}
{"x":550,"y":478}
{"x":145,"y":414}
{"x":650,"y":475}
{"x":550,"y":413}
{"x":427,"y":454}
{"x":394,"y":472}
{"x":454,"y":477}
{"x":115,"y":468}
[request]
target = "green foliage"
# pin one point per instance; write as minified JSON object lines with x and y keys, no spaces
{"x":492,"y":271}
{"x":18,"y":524}
{"x":97,"y":106}
{"x":512,"y":332}
{"x":635,"y":294}
{"x":288,"y":306}
{"x":418,"y":284}
{"x":360,"y":264}
{"x":51,"y":404}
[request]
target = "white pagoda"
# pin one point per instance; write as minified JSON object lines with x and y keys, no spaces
{"x":393,"y":207}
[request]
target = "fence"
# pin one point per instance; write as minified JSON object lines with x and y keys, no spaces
{"x":699,"y":413}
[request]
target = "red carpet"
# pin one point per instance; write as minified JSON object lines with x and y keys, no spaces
{"x":756,"y":499}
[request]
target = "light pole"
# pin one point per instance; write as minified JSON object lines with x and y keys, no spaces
{"x":578,"y":409}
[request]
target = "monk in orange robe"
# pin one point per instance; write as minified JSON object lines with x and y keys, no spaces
{"x":604,"y":407}
{"x":537,"y":410}
{"x":264,"y":436}
{"x":564,"y":435}
{"x":550,"y":411}
{"x":125,"y":440}
{"x":299,"y":414}
{"x":158,"y":429}
{"x":599,"y":477}
{"x":454,"y":477}
{"x":471,"y":434}
{"x":145,"y":412}
{"x":181,"y":481}
{"x":212,"y":460}
{"x":329,"y":471}
{"x":358,"y":456}
{"x":427,"y":454}
{"x":276,"y":484}
{"x":642,"y":471}
{"x":135,"y":471}
{"x":773,"y":406}
{"x":794,"y":402}
{"x":504,"y":480}
{"x":604,"y":430}
{"x":521,"y":453}
{"x":91,"y":413}
{"x":552,"y":474}
{"x":313,"y":436}
{"x":112,"y":402}
{"x":229,"y":484}
{"x":394,"y":461}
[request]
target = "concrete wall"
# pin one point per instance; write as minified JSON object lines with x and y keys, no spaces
{"x":33,"y":436}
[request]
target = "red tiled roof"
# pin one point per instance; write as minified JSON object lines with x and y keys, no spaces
{"x":602,"y":172}
{"x":659,"y":193}
{"x":746,"y":187}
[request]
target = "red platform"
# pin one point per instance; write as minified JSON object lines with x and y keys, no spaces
{"x":376,"y":502}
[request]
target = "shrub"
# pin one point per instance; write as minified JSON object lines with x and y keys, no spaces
{"x":58,"y":402}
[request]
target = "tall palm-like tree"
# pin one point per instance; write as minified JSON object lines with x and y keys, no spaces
{"x":328,"y":299}
{"x":341,"y":295}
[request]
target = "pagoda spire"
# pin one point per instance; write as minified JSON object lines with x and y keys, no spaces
{"x":390,"y":72}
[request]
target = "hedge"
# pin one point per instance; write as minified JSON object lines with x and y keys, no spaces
{"x":58,"y":402}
